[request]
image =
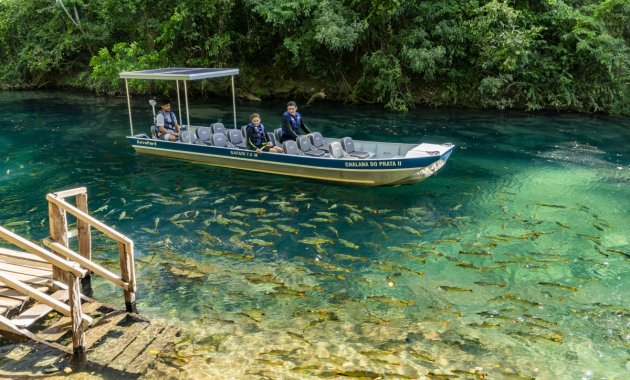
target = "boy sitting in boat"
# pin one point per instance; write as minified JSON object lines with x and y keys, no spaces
{"x":166,"y":121}
{"x":292,"y":122}
{"x":257,"y":138}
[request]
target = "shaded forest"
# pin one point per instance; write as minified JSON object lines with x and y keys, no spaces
{"x":544,"y":54}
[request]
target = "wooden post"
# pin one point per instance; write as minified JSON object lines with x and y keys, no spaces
{"x":128,"y":274}
{"x":76,"y":314}
{"x":85,"y":241}
{"x":58,"y":233}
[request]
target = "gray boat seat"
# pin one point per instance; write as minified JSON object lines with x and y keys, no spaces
{"x":187,"y":137}
{"x":348,"y":145}
{"x":278,"y":134}
{"x":218,"y":128}
{"x":305,"y":146}
{"x":317,"y":140}
{"x":204,"y":135}
{"x":290,"y":147}
{"x":244,"y":131}
{"x":236,"y":138}
{"x":219,"y":139}
{"x":336,"y":150}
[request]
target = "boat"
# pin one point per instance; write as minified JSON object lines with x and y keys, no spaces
{"x":337,"y":160}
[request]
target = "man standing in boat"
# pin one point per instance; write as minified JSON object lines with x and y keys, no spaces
{"x":166,"y":121}
{"x":292,"y":122}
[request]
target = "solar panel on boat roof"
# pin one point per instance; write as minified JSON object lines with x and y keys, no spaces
{"x":180,"y":73}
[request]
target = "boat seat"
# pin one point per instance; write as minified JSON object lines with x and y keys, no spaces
{"x":278,"y":134}
{"x":218,"y":128}
{"x":336,"y":150}
{"x":186,"y":137}
{"x":348,"y":145}
{"x":236,"y":138}
{"x":204,"y":135}
{"x":290,"y":147}
{"x":219,"y":139}
{"x":155,"y":131}
{"x":305,"y":146}
{"x":244,"y":131}
{"x":317,"y":140}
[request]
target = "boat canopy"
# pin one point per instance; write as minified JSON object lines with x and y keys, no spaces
{"x":179,"y":73}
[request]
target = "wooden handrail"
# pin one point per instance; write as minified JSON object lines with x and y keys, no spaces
{"x":41,"y":252}
{"x":39,"y":296}
{"x":85,"y":263}
{"x":90,"y":220}
{"x":70,"y":192}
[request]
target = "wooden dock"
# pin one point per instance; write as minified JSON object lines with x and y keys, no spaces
{"x":48,"y":327}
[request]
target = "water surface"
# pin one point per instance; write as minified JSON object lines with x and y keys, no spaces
{"x":511,"y":261}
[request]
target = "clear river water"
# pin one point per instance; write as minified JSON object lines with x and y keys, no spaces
{"x":512,"y":261}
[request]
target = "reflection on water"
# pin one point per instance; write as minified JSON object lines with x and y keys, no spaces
{"x":512,"y":261}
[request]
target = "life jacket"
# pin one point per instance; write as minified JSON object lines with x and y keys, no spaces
{"x":169,"y":123}
{"x":295,"y":121}
{"x":259,"y":134}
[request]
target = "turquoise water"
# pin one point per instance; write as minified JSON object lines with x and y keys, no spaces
{"x":511,"y":261}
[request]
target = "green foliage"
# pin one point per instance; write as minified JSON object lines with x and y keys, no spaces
{"x":551,"y":54}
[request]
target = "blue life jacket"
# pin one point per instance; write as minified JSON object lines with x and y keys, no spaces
{"x":169,"y":125}
{"x":259,"y":133}
{"x":295,"y":121}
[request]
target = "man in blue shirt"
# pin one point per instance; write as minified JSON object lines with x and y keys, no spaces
{"x":292,"y":123}
{"x":166,"y":121}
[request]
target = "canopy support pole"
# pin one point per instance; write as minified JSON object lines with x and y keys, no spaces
{"x":129,"y":106}
{"x":179,"y":103}
{"x":187,"y":112}
{"x":233,"y":101}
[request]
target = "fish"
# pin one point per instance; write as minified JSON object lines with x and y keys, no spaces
{"x":356,"y":217}
{"x":400,"y":249}
{"x":315,"y":241}
{"x":391,"y":301}
{"x":559,"y":286}
{"x":149,"y":231}
{"x":392,"y":226}
{"x":334,"y":230}
{"x":237,"y":230}
{"x":619,"y":252}
{"x":142,"y":207}
{"x":348,"y":244}
{"x":340,"y":256}
{"x":260,"y":242}
{"x":476,"y":253}
{"x":209,"y":237}
{"x":349,"y":220}
{"x":288,"y":229}
{"x":102,"y":208}
{"x":447,"y":288}
{"x":122,"y":215}
{"x":124,"y":201}
{"x":320,"y":220}
{"x":563,"y":225}
{"x":157,"y":221}
{"x":551,"y":205}
{"x":397,"y":218}
{"x":486,"y":283}
{"x":326,"y":214}
{"x":17,"y":223}
{"x":255,"y":210}
{"x":421,"y":355}
{"x":235,"y":239}
{"x":307,"y":225}
{"x":218,"y":201}
{"x":411,"y":230}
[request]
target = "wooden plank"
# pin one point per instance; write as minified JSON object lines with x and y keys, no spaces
{"x":8,"y":325}
{"x":37,"y":311}
{"x":41,"y":252}
{"x":80,"y":215}
{"x":136,"y":347}
{"x":23,"y":258}
{"x":70,"y":192}
{"x":85,"y":263}
{"x":84,"y":233}
{"x":78,"y":334}
{"x":103,"y":326}
{"x":63,"y":325}
{"x":58,"y":232}
{"x":108,"y":351}
{"x":21,"y":269}
{"x":127,"y":272}
{"x":141,"y":363}
{"x":39,"y":296}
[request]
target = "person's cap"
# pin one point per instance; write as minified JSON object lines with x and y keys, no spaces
{"x":165,"y":101}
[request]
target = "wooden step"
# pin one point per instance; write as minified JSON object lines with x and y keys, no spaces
{"x":23,"y":258}
{"x":135,"y":348}
{"x":39,"y":310}
{"x":110,"y":349}
{"x":141,"y":363}
{"x":63,"y":325}
{"x":104,"y":325}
